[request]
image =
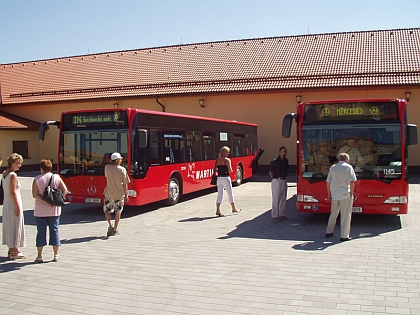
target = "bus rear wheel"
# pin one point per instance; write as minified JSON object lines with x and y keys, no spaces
{"x":173,"y":192}
{"x":239,"y":176}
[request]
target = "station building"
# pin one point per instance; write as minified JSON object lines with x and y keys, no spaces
{"x":252,"y":80}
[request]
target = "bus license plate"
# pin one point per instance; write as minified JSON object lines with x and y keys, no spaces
{"x":92,"y":200}
{"x":356,"y":209}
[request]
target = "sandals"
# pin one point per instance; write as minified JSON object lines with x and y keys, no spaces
{"x":236,"y":211}
{"x":39,"y":260}
{"x":218,"y":213}
{"x":17,"y":255}
{"x":111,"y":231}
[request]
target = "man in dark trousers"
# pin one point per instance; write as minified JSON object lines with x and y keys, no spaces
{"x":278,"y":173}
{"x":340,"y":187}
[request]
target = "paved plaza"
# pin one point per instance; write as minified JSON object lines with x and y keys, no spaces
{"x":185,"y":260}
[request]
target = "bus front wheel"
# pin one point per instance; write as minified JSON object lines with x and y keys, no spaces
{"x":173,"y":192}
{"x":239,"y":176}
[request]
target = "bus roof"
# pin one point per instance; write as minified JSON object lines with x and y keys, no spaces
{"x":144,"y":111}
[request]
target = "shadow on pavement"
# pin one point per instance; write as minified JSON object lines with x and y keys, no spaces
{"x":81,"y":239}
{"x":13,"y":265}
{"x":83,"y":213}
{"x":73,"y":213}
{"x":196,"y":219}
{"x":309,"y":228}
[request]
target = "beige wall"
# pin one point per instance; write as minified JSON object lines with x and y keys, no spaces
{"x":265,"y":109}
{"x":6,"y":145}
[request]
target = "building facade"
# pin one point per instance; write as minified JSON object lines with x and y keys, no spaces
{"x":253,"y":80}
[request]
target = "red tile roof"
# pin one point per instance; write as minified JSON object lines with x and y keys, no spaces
{"x":9,"y":121}
{"x":375,"y":58}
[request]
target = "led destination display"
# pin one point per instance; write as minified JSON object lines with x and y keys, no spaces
{"x":118,"y":118}
{"x":351,"y":111}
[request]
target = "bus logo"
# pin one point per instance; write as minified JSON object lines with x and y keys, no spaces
{"x":198,"y":174}
{"x":374,"y":110}
{"x":191,"y":170}
{"x":91,"y":189}
{"x":326,"y":112}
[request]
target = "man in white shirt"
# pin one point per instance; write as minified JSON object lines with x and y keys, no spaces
{"x":340,"y":187}
{"x":116,"y":191}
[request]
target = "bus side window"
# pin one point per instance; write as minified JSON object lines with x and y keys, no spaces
{"x":209,"y":146}
{"x":190,"y":155}
{"x":168,"y":156}
{"x":193,"y":143}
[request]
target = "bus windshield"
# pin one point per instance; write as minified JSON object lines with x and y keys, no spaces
{"x":88,"y":151}
{"x":374,"y":149}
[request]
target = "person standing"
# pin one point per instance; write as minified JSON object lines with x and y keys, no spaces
{"x":116,"y":191}
{"x":278,"y":173}
{"x":13,"y":220}
{"x":223,"y":168}
{"x":340,"y":187}
{"x":47,"y":215}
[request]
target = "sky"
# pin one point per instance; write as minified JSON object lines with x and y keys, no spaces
{"x":45,"y":29}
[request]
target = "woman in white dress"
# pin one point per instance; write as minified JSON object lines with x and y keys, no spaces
{"x":13,"y":222}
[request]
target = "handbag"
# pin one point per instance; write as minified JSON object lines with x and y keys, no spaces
{"x":213,"y":180}
{"x":1,"y":191}
{"x":54,"y":196}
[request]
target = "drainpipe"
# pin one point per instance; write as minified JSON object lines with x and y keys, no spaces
{"x":163,"y":106}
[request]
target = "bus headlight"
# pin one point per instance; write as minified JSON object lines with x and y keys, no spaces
{"x":132,"y":193}
{"x":306,"y":198}
{"x":397,"y":199}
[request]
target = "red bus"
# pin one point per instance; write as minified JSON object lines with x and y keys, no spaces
{"x":375,"y":134}
{"x":166,"y":155}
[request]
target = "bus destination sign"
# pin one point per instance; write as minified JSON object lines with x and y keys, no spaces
{"x":351,"y":111}
{"x":118,"y":118}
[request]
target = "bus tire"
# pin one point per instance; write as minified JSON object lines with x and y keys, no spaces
{"x":239,"y":176}
{"x":174,"y":192}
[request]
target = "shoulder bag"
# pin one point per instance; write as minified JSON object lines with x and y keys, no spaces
{"x":1,"y":191}
{"x":54,"y":196}
{"x":213,"y":180}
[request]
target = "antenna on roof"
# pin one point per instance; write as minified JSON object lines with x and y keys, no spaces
{"x":181,"y":39}
{"x":308,"y":29}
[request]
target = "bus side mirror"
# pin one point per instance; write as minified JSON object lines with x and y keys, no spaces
{"x":44,"y":127}
{"x":141,"y":138}
{"x":411,"y":134}
{"x":287,"y":125}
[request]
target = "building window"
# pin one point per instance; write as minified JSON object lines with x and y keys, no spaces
{"x":21,"y":147}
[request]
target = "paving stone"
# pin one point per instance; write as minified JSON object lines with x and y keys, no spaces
{"x":185,"y":260}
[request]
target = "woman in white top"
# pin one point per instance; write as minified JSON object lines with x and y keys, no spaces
{"x":46,"y":214}
{"x":13,"y":221}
